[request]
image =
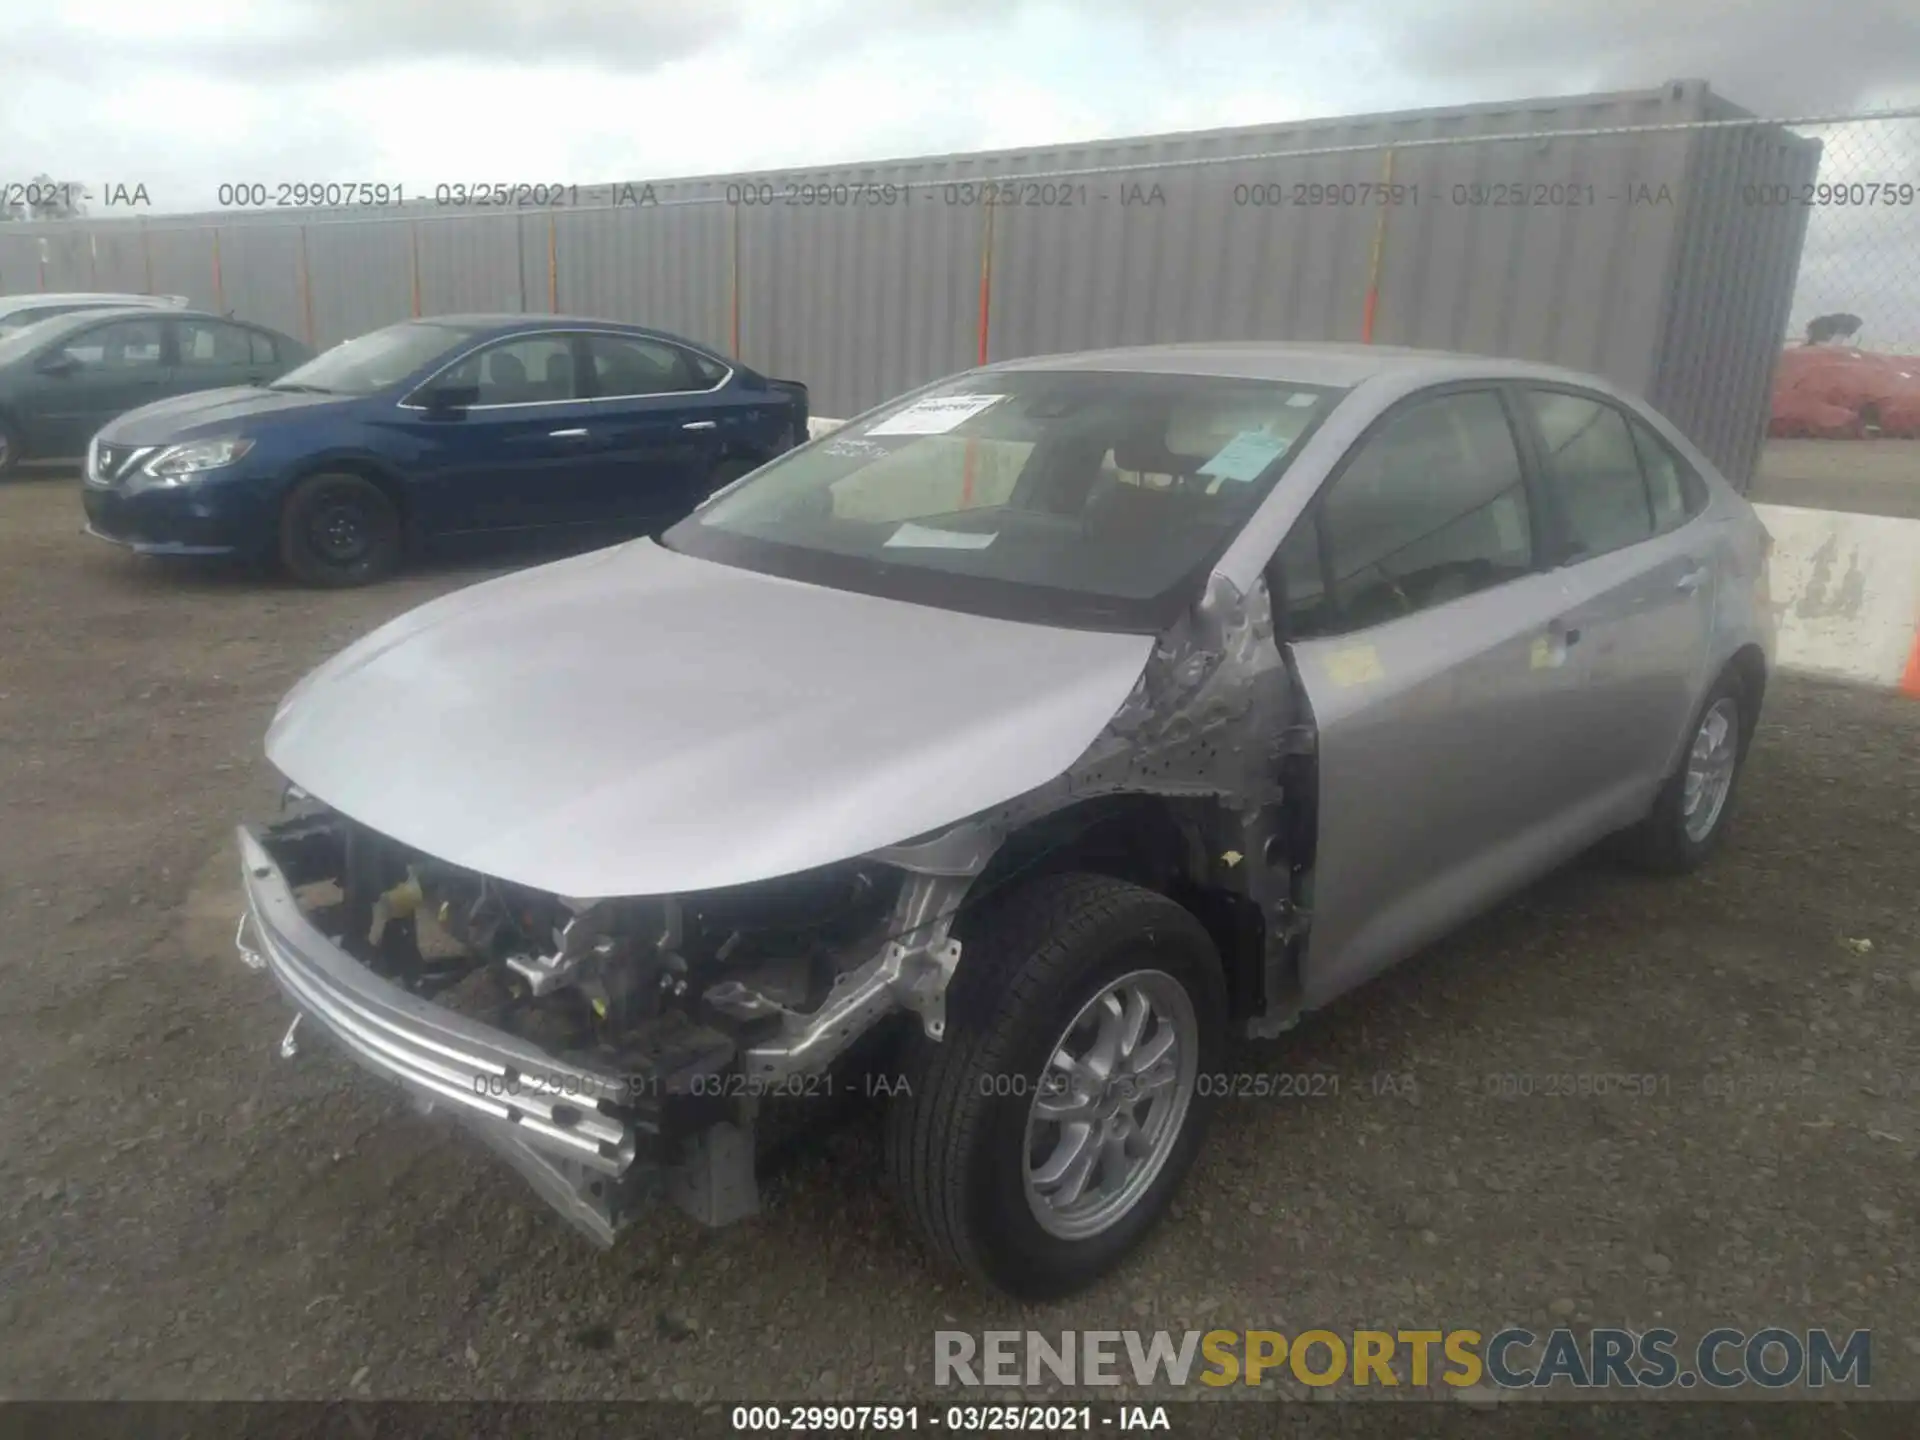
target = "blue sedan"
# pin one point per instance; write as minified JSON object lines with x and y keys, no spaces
{"x":433,"y":431}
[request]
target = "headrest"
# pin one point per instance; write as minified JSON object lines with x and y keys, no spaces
{"x":1146,"y":453}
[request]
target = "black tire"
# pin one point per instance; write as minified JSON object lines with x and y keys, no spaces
{"x":9,"y":449}
{"x":956,"y":1139}
{"x":1663,"y":844}
{"x":338,"y":530}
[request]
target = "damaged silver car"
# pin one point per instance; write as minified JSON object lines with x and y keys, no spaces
{"x":1035,"y":732}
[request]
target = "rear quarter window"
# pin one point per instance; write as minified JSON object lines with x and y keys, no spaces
{"x":1674,"y":488}
{"x":1595,"y":470}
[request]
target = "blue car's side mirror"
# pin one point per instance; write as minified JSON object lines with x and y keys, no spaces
{"x":444,"y":398}
{"x":56,"y":363}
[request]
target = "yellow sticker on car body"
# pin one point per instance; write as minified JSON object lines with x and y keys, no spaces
{"x":1354,"y":665}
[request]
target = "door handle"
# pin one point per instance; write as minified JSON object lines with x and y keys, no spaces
{"x":576,"y":434}
{"x":1692,"y":580}
{"x":699,"y":425}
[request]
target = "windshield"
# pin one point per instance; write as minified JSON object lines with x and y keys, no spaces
{"x":371,"y":362}
{"x":18,"y":336}
{"x":1080,"y":498}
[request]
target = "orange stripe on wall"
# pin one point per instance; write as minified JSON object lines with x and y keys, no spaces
{"x":1372,"y":305}
{"x":986,"y":282}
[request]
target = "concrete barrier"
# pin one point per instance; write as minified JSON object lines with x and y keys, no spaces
{"x":1845,"y":590}
{"x":1846,"y":594}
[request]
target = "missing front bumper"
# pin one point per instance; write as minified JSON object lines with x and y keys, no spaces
{"x":594,"y":1144}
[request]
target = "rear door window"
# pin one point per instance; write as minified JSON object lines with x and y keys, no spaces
{"x":1595,"y":471}
{"x":212,"y":344}
{"x":634,"y":365}
{"x":1674,"y":487}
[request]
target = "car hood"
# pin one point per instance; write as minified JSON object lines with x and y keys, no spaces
{"x":639,"y":722}
{"x":211,"y":412}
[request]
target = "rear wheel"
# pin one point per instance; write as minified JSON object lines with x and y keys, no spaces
{"x":338,"y":530}
{"x":1689,"y":816}
{"x":1041,"y":1139}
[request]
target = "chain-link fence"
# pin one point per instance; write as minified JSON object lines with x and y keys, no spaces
{"x":1860,"y":266}
{"x":1649,"y":236}
{"x":1851,"y":366}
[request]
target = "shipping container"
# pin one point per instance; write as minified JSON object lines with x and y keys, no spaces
{"x":1617,"y":233}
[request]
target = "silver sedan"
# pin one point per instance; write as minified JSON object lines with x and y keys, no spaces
{"x":1017,"y":742}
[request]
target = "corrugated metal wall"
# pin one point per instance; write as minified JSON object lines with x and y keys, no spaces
{"x":1643,"y":265}
{"x":1727,"y":299}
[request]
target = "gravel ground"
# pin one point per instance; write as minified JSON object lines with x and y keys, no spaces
{"x":186,"y":1215}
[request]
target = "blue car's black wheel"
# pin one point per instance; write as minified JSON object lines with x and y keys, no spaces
{"x":338,"y":530}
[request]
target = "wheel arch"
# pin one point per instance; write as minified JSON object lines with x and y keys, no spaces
{"x":1749,"y":662}
{"x":375,"y":472}
{"x":1167,"y":844}
{"x":11,"y":420}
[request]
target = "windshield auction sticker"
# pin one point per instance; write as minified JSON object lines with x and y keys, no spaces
{"x":935,"y":415}
{"x":1246,"y":456}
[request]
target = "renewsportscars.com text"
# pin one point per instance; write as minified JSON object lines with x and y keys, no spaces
{"x":1604,"y":1358}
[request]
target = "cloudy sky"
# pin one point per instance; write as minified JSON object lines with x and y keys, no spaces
{"x":184,"y":97}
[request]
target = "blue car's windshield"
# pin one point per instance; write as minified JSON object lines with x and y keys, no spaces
{"x":1065,"y":497}
{"x":370,"y":363}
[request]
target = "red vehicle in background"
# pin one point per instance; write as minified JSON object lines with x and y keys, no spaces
{"x":1833,"y":392}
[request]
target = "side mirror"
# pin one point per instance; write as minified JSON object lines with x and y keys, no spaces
{"x":445,"y":399}
{"x":56,"y":362}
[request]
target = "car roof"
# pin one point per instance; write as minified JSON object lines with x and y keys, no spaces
{"x":27,"y":300}
{"x":79,"y":319}
{"x":1302,"y":362}
{"x":508,"y":323}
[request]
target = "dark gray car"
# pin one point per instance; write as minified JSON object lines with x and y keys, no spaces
{"x":63,"y":378}
{"x":19,"y":311}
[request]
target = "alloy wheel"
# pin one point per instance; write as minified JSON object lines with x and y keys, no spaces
{"x":1710,"y":766}
{"x":1110,"y":1103}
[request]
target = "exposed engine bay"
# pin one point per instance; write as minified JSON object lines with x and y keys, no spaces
{"x":672,"y":1015}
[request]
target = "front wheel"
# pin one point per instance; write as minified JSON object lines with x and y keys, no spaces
{"x":9,"y":449}
{"x":338,"y":530}
{"x":1041,"y":1139}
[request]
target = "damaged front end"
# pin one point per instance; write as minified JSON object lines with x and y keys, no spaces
{"x":614,"y":1051}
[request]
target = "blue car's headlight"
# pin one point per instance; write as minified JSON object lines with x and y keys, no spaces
{"x":177,"y":462}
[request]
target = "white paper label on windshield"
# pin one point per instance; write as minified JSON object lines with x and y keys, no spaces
{"x":935,"y":415}
{"x":925,"y":537}
{"x":1245,"y":456}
